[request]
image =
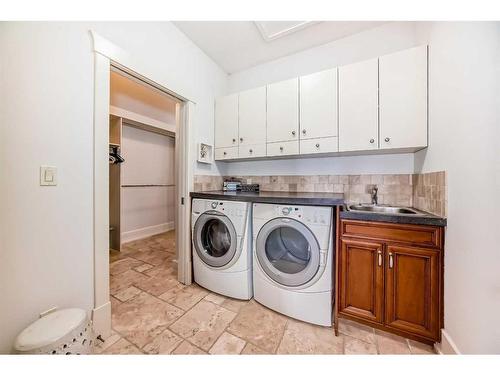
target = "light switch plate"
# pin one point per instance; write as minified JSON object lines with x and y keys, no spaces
{"x":48,"y":175}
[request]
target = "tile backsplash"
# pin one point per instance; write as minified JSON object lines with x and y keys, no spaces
{"x":422,"y":191}
{"x":430,"y":192}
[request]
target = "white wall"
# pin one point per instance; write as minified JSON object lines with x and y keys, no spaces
{"x":375,"y":42}
{"x":46,"y":81}
{"x":369,"y":164}
{"x":149,"y":160}
{"x":464,"y":125}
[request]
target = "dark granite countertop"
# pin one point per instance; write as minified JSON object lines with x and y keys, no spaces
{"x":318,"y":199}
{"x":277,"y":197}
{"x":424,"y":218}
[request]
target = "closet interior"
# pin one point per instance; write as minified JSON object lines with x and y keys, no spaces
{"x":142,"y":128}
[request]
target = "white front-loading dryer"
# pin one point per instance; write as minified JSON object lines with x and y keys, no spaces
{"x":222,"y":256}
{"x":293,"y":260}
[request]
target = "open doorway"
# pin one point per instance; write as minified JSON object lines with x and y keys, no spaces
{"x":142,"y":132}
{"x":109,"y":58}
{"x":143,"y":263}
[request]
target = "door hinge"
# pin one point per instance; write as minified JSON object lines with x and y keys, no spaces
{"x":182,"y":201}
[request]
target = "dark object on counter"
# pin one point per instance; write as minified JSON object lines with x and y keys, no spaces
{"x":250,"y":187}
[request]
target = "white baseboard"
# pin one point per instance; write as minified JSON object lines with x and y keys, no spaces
{"x":447,"y":345}
{"x":138,"y":234}
{"x":101,"y":320}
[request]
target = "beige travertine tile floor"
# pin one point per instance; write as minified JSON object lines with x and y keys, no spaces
{"x":152,"y":313}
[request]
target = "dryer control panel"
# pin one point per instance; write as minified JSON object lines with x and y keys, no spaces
{"x":306,"y":214}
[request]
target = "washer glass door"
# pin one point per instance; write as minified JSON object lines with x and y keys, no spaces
{"x":288,"y":251}
{"x":215,"y":239}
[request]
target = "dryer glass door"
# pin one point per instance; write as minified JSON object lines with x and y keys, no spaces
{"x":215,"y":239}
{"x":288,"y":252}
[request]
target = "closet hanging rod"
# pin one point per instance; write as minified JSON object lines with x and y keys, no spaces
{"x":148,"y":185}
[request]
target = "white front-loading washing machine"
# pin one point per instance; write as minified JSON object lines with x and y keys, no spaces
{"x":222,"y":255}
{"x":293,"y":260}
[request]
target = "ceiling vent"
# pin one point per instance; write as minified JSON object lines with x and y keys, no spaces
{"x":272,"y":30}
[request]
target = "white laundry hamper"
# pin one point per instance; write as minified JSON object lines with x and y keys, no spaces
{"x":66,"y":331}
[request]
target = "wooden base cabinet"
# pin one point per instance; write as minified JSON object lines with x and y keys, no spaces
{"x":362,"y":284}
{"x":392,"y":282}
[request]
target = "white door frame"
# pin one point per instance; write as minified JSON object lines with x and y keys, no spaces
{"x":106,"y":54}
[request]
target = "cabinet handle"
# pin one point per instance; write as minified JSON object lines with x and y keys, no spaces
{"x":317,"y":145}
{"x":387,"y":139}
{"x":281,"y":148}
{"x":293,"y":132}
{"x":391,"y":261}
{"x":372,"y":140}
{"x":225,"y":153}
{"x":250,"y":150}
{"x":379,"y":258}
{"x":303,"y":131}
{"x":241,"y":139}
{"x":234,"y":140}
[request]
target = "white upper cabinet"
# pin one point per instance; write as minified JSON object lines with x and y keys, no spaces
{"x":252,"y":109}
{"x":358,"y":106}
{"x":283,"y":111}
{"x":226,"y":121}
{"x":318,"y":105}
{"x":403,"y":99}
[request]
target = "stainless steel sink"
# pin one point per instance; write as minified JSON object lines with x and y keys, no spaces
{"x":382,"y":209}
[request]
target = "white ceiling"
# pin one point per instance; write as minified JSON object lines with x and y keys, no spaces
{"x":239,"y":45}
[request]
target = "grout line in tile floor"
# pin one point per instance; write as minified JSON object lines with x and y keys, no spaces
{"x":178,"y":314}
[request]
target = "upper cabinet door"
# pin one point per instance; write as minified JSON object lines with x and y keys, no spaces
{"x":318,"y":105}
{"x":226,"y":121}
{"x":403,"y":99}
{"x":252,"y":128}
{"x":283,"y":111}
{"x":358,"y":106}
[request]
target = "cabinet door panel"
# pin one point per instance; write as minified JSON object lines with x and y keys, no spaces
{"x":283,"y":111}
{"x":358,"y":106}
{"x":412,"y":290}
{"x":403,"y":99}
{"x":226,"y":153}
{"x":252,"y":116}
{"x":252,"y":151}
{"x":362,"y":279}
{"x":319,"y":145}
{"x":318,"y":105}
{"x":283,"y":148}
{"x":226,"y":121}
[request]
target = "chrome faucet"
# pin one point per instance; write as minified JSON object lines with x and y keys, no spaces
{"x":374,"y":195}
